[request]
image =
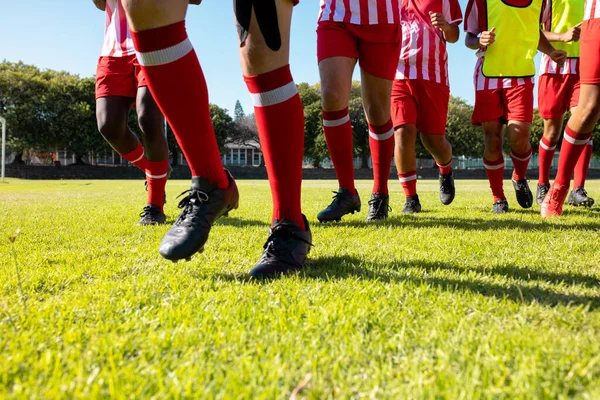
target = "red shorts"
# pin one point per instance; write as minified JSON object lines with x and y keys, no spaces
{"x":512,"y":104}
{"x":590,"y":52}
{"x":119,"y":76}
{"x":557,"y":94}
{"x":420,"y":102}
{"x":377,"y":47}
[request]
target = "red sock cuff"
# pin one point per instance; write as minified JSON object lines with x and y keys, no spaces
{"x":404,"y":175}
{"x":522,"y":157}
{"x":576,"y":138}
{"x":547,"y":143}
{"x":269,"y":81}
{"x":159,"y":38}
{"x":448,"y":164}
{"x":382,"y":129}
{"x":136,"y":155}
{"x":335,"y":115}
{"x":489,"y":163}
{"x":157,"y":169}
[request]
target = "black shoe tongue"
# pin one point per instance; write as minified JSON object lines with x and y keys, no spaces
{"x":203,"y":184}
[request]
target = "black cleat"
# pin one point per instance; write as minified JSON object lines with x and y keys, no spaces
{"x":542,"y":190}
{"x":500,"y":207}
{"x":343,"y":203}
{"x":524,"y":195}
{"x":379,"y":207}
{"x":447,"y":190}
{"x":203,"y":205}
{"x":152,"y":215}
{"x":412,"y":205}
{"x":285,"y":250}
{"x":580,"y":198}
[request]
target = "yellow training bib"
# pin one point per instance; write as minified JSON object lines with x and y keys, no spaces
{"x":565,"y":15}
{"x":517,"y":38}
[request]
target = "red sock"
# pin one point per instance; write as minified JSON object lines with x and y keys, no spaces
{"x":495,"y":174}
{"x":583,"y":165}
{"x":445,"y":169}
{"x":546,"y":155}
{"x":381,"y":142}
{"x":338,"y":134}
{"x":137,"y":157}
{"x":520,"y":162}
{"x":280,"y":121}
{"x":177,"y":83}
{"x":156,"y":176}
{"x":572,"y":146}
{"x":408,"y":180}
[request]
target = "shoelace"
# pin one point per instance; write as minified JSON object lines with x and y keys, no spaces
{"x":443,"y":184}
{"x":280,"y":232}
{"x":186,"y":205}
{"x":149,"y":211}
{"x":381,"y":202}
{"x":583,"y":192}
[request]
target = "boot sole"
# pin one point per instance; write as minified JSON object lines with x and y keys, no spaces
{"x":585,"y":204}
{"x":323,"y":220}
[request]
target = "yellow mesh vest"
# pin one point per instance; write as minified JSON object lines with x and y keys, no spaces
{"x":517,"y":38}
{"x":565,"y":15}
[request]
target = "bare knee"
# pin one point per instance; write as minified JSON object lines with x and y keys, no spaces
{"x":109,"y":127}
{"x":590,"y":113}
{"x":432,"y":142}
{"x":378,"y":113}
{"x":405,"y":137}
{"x":333,"y":97}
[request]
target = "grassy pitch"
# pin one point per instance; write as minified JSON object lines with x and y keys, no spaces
{"x":453,"y":303}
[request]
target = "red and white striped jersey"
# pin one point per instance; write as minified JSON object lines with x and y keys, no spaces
{"x":361,"y":12}
{"x":117,"y":37}
{"x":592,"y":9}
{"x":423,"y":54}
{"x":547,"y":66}
{"x":475,"y":23}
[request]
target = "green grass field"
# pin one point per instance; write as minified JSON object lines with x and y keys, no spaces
{"x":453,"y":303}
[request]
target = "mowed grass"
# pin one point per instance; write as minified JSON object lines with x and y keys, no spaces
{"x":453,"y":303}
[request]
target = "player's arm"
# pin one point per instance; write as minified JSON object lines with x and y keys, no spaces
{"x":572,"y":35}
{"x":487,"y":38}
{"x":558,"y":56}
{"x":449,"y":30}
{"x":100,"y":4}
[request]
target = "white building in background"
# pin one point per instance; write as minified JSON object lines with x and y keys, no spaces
{"x":242,"y":155}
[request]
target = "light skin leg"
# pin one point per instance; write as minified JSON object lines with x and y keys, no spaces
{"x":518,"y":134}
{"x":336,"y":82}
{"x":149,"y":14}
{"x":493,"y":138}
{"x":404,"y":151}
{"x":438,"y":146}
{"x":588,"y":112}
{"x":376,"y":94}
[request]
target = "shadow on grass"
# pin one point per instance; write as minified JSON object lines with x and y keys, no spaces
{"x":466,"y":279}
{"x":469,"y":224}
{"x":242,"y":222}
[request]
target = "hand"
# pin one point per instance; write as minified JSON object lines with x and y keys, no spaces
{"x":572,"y":35}
{"x":559,"y":57}
{"x":487,"y":38}
{"x":195,"y":2}
{"x":438,"y":21}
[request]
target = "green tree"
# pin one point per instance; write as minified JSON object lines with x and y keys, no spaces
{"x":238,"y":111}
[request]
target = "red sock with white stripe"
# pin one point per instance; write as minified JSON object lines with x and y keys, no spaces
{"x":338,"y":134}
{"x":495,"y":174}
{"x":177,"y":83}
{"x":445,"y":169}
{"x":156,"y":176}
{"x":280,"y":121}
{"x":572,"y":146}
{"x":137,"y":157}
{"x":520,"y":162}
{"x":546,"y":155}
{"x":408,"y":180}
{"x":583,"y":165}
{"x":381,"y":142}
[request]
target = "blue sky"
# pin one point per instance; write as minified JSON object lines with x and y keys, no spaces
{"x":67,"y":35}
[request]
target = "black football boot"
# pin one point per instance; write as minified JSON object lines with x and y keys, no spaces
{"x":580,"y":198}
{"x":152,"y":215}
{"x":379,"y":207}
{"x":447,"y":189}
{"x":524,"y":195}
{"x":285,"y":250}
{"x":500,"y":207}
{"x":412,"y":205}
{"x":343,"y":203}
{"x":541,"y":192}
{"x":203,"y":205}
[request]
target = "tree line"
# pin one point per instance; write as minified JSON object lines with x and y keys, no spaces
{"x":48,"y":110}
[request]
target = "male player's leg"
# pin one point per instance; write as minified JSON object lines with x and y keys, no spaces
{"x":379,"y":52}
{"x":404,"y":115}
{"x":151,"y":123}
{"x":177,"y":83}
{"x":337,"y":54}
{"x":264,"y":50}
{"x":581,"y":124}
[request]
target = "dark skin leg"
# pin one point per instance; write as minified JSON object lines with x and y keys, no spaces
{"x":112,"y":114}
{"x":151,"y":122}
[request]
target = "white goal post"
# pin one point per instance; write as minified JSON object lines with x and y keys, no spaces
{"x":3,"y":160}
